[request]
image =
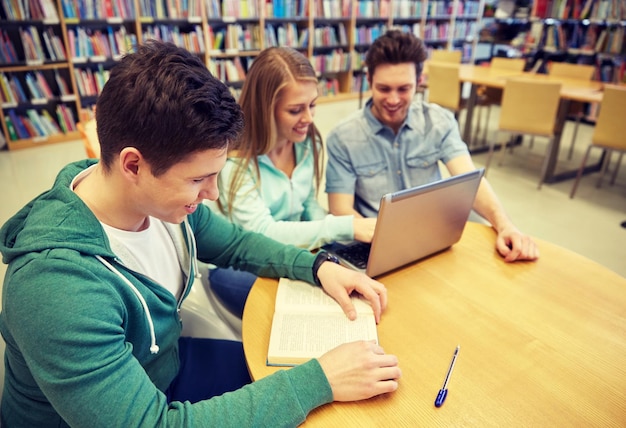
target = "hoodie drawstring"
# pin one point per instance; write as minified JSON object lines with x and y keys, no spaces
{"x":154,"y":348}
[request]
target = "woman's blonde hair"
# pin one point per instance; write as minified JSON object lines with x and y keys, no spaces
{"x":272,"y":70}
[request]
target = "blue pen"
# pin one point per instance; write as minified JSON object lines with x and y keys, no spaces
{"x":443,"y":392}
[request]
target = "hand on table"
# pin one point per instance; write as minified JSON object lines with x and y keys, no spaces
{"x":513,"y":245}
{"x":360,"y":370}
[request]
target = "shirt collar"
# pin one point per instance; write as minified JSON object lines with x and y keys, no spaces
{"x":376,"y":125}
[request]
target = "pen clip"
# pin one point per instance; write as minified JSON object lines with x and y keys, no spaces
{"x":441,"y":397}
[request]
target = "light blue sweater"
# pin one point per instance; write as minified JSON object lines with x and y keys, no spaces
{"x":283,"y":208}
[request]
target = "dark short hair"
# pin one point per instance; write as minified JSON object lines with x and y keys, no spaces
{"x":396,"y":47}
{"x":163,"y":101}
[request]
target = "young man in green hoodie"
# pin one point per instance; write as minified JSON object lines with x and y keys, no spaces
{"x":100,"y":264}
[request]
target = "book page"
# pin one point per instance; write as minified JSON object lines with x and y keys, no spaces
{"x":307,"y":323}
{"x":300,"y":296}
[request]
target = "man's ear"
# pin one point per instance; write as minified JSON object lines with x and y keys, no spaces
{"x":130,"y":161}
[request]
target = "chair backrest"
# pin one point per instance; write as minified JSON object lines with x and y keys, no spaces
{"x":610,"y":129}
{"x":444,"y":85}
{"x":90,"y":138}
{"x":501,"y":63}
{"x":444,"y":55}
{"x":529,"y":106}
{"x":572,"y":71}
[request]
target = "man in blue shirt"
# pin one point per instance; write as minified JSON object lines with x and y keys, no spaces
{"x":395,"y":143}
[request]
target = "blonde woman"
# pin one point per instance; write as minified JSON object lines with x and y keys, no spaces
{"x":270,"y":183}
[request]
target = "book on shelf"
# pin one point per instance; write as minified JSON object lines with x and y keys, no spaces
{"x":11,"y":128}
{"x":7,"y":94}
{"x":308,"y":322}
{"x":20,"y":130}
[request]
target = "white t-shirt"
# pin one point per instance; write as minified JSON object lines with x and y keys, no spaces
{"x":150,"y":251}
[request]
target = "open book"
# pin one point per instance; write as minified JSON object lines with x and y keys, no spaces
{"x":308,"y":322}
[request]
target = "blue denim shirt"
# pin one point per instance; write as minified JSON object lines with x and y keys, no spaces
{"x":367,"y":159}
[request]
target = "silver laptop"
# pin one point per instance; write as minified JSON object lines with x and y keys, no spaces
{"x":413,"y":224}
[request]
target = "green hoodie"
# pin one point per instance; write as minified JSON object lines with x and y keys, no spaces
{"x":79,"y":337}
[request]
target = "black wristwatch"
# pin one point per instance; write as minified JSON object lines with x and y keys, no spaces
{"x":322,"y":257}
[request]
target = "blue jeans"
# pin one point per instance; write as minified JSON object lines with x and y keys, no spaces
{"x":208,"y":368}
{"x":232,"y":287}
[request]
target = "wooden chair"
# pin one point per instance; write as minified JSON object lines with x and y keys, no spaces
{"x":528,"y":107}
{"x":609,"y":133}
{"x":573,"y":71}
{"x":444,"y":55}
{"x":493,"y":96}
{"x":501,"y":63}
{"x":444,"y":86}
{"x":444,"y":89}
{"x":89,"y":134}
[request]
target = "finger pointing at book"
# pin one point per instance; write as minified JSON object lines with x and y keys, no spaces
{"x":340,"y":282}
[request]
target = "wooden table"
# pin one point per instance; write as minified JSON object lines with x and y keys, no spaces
{"x":542,"y":343}
{"x":571,"y":90}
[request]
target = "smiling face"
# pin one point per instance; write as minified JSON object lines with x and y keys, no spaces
{"x":176,"y":193}
{"x":393,"y":87}
{"x":294,"y":111}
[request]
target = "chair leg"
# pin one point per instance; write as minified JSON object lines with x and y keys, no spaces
{"x":617,"y":165}
{"x":486,"y":128}
{"x":490,"y":155}
{"x":503,"y":149}
{"x":477,"y":125}
{"x":571,"y":146}
{"x":580,"y":172}
{"x":605,"y":166}
{"x":544,"y":166}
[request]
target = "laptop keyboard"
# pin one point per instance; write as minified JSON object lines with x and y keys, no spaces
{"x":357,"y":254}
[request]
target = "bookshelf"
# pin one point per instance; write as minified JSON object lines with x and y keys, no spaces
{"x":39,"y":102}
{"x":578,"y":31}
{"x":69,"y":47}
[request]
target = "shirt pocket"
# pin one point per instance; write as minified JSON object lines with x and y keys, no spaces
{"x":373,"y":181}
{"x":423,"y":168}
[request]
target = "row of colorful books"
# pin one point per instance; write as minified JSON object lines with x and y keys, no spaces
{"x":192,"y":40}
{"x":366,"y":34}
{"x":171,"y":9}
{"x":39,"y":123}
{"x":436,"y":31}
{"x":20,"y":10}
{"x":333,"y":62}
{"x":329,"y":35}
{"x":90,"y":82}
{"x":613,"y":10}
{"x":464,"y":29}
{"x":38,"y":89}
{"x":217,"y":9}
{"x":230,"y":70}
{"x":332,"y":9}
{"x":87,"y":43}
{"x":98,"y":9}
{"x":235,"y":37}
{"x":34,"y":51}
{"x":578,"y":37}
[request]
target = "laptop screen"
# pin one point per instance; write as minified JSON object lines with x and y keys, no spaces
{"x":417,"y":222}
